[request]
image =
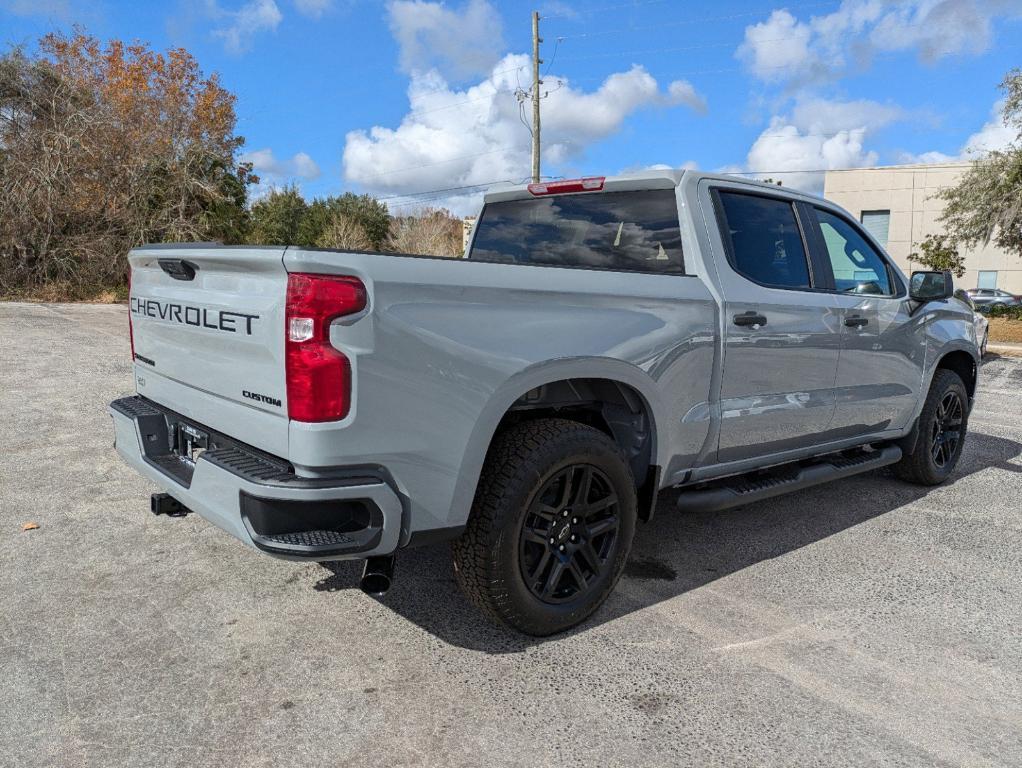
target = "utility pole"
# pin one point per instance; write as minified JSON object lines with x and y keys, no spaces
{"x":536,"y":83}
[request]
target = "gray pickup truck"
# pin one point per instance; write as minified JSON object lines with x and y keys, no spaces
{"x":603,"y":339}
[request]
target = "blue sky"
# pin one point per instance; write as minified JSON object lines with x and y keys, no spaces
{"x":402,"y":97}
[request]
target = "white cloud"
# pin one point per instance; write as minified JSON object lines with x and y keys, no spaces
{"x":688,"y":165}
{"x":819,"y":134}
{"x":241,"y":26}
{"x":313,"y":8}
{"x":994,"y":135}
{"x":778,"y":48}
{"x":786,"y":49}
{"x":786,"y":153}
{"x":459,"y":43}
{"x":683,"y":92}
{"x":454,"y":138}
{"x":272,"y":170}
{"x":939,"y":28}
{"x":826,"y":115}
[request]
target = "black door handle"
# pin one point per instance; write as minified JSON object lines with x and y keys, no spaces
{"x":749,"y":318}
{"x":856,"y":321}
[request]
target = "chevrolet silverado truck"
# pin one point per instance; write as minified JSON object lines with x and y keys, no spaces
{"x":602,"y":339}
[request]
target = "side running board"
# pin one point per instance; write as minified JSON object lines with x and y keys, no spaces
{"x":748,"y":489}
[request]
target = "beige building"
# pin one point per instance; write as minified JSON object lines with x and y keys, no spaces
{"x":898,"y":205}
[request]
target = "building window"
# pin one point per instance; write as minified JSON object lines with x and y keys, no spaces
{"x":877,"y":223}
{"x":987,"y":279}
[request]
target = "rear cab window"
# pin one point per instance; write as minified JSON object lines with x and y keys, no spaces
{"x":633,"y":231}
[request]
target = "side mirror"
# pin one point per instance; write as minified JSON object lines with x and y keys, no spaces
{"x":931,"y":286}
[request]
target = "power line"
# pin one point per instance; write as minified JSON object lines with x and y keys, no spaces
{"x":590,"y":11}
{"x":686,"y":22}
{"x":447,"y":87}
{"x":453,"y":104}
{"x":447,"y":189}
{"x":700,"y":46}
{"x":438,"y":162}
{"x":913,"y":167}
{"x":415,"y":198}
{"x":799,"y":134}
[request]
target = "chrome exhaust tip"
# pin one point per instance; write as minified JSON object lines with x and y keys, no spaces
{"x":378,"y":575}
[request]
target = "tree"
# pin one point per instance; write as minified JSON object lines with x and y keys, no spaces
{"x":986,"y":204}
{"x":365,"y":211}
{"x":105,"y":147}
{"x":343,"y":233}
{"x":278,"y":218}
{"x":431,"y":232}
{"x":937,"y":252}
{"x":356,"y":222}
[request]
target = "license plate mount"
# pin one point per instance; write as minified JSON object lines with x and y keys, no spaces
{"x":190,"y":442}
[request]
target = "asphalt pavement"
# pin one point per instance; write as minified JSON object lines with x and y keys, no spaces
{"x":866,"y":622}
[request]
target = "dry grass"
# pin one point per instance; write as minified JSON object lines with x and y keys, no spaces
{"x":66,"y":292}
{"x":1004,"y":330}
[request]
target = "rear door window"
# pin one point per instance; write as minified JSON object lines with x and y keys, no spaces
{"x":632,"y":231}
{"x":765,"y":241}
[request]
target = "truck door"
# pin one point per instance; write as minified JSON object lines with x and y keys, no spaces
{"x":782,"y":335}
{"x":880,"y":368}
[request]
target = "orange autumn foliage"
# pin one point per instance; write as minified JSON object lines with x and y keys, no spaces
{"x":104,"y":147}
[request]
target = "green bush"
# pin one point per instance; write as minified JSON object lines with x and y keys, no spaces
{"x":282,"y":217}
{"x":1011,"y":313}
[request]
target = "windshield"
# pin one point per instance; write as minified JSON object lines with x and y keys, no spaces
{"x":632,"y":231}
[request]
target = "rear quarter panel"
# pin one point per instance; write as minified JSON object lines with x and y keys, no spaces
{"x":448,"y":345}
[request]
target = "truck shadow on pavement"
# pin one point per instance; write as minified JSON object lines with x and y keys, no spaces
{"x":675,"y":553}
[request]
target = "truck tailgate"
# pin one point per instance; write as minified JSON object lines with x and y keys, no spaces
{"x":208,"y":332}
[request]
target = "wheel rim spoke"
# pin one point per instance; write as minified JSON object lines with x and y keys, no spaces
{"x":534,"y":537}
{"x":602,"y":504}
{"x":565,"y":495}
{"x":587,"y":553}
{"x":576,"y":574}
{"x":600,"y":527}
{"x":546,"y":512}
{"x":541,"y":566}
{"x":553,"y":578}
{"x":583,"y":481}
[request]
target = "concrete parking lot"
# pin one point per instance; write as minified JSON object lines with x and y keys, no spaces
{"x":866,"y":622}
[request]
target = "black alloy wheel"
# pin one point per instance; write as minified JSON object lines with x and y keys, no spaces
{"x":932,"y":452}
{"x":568,"y":534}
{"x":551,"y":526}
{"x":947,"y":429}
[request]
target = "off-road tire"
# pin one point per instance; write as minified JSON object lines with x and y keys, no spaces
{"x":920,"y":466}
{"x":522,"y":461}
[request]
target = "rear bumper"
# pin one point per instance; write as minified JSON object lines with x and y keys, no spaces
{"x":256,"y":497}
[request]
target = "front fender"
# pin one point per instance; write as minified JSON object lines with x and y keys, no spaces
{"x":947,"y":330}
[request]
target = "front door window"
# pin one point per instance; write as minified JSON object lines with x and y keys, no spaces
{"x":858,"y":268}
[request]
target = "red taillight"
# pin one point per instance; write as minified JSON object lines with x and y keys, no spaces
{"x":131,"y":329}
{"x":588,"y":184}
{"x":318,"y":375}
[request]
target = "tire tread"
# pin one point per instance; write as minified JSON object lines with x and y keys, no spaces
{"x":513,"y":459}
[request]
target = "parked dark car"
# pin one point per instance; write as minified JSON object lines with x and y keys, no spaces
{"x":984,"y":298}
